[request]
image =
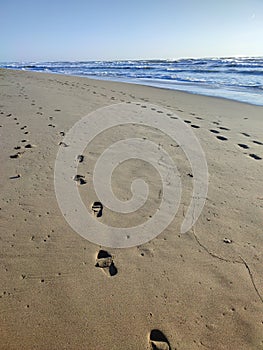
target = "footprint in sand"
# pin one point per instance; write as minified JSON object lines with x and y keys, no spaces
{"x":80,"y":158}
{"x":97,"y":208}
{"x":245,"y":134}
{"x":257,"y":142}
{"x":223,"y":128}
{"x":80,"y":179}
{"x":15,"y":177}
{"x":188,"y":121}
{"x":254,"y":156}
{"x":222,"y":138}
{"x":62,"y":144}
{"x":242,"y":145}
{"x":159,"y":341}
{"x":105,"y":261}
{"x":16,"y":155}
{"x":195,"y":126}
{"x":214,"y":131}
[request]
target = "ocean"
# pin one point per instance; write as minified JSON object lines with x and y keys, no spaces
{"x":236,"y":78}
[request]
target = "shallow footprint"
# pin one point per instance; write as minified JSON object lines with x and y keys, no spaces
{"x":105,"y":262}
{"x":159,"y":341}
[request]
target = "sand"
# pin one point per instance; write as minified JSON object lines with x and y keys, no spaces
{"x":199,"y":290}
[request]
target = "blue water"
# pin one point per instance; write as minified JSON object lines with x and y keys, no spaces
{"x":239,"y":79}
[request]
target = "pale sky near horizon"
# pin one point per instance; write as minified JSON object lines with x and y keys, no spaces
{"x":139,"y":29}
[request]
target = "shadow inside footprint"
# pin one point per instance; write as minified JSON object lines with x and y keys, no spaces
{"x":242,"y":145}
{"x":105,"y":261}
{"x":97,"y":208}
{"x":257,"y":142}
{"x":14,"y":156}
{"x":254,"y":156}
{"x":80,"y":158}
{"x":159,"y":341}
{"x":80,"y":179}
{"x":222,"y":138}
{"x":214,"y":131}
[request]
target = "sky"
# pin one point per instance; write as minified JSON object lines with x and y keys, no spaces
{"x":79,"y":30}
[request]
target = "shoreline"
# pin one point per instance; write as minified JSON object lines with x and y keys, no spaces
{"x":203,"y":288}
{"x":139,"y":83}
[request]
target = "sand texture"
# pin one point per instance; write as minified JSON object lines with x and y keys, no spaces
{"x":199,"y":290}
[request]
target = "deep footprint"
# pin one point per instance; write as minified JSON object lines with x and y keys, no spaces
{"x":159,"y":341}
{"x":80,"y":158}
{"x":254,"y":156}
{"x":14,"y":156}
{"x":80,"y":179}
{"x":97,"y":208}
{"x":105,"y":262}
{"x":242,"y":145}
{"x":222,"y":138}
{"x":257,"y":142}
{"x":214,"y":131}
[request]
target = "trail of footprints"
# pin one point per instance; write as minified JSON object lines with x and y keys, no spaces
{"x":216,"y":130}
{"x":20,"y":148}
{"x":104,"y":259}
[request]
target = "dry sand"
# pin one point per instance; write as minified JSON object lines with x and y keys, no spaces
{"x":197,"y":289}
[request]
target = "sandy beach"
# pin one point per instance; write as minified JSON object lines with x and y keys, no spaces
{"x":202,"y":289}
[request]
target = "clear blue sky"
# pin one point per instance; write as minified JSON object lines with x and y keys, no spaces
{"x":39,"y":30}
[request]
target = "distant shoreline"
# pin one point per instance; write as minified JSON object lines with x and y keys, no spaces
{"x":138,"y":83}
{"x":237,"y":79}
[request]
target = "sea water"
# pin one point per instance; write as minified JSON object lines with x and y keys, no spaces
{"x":237,"y":78}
